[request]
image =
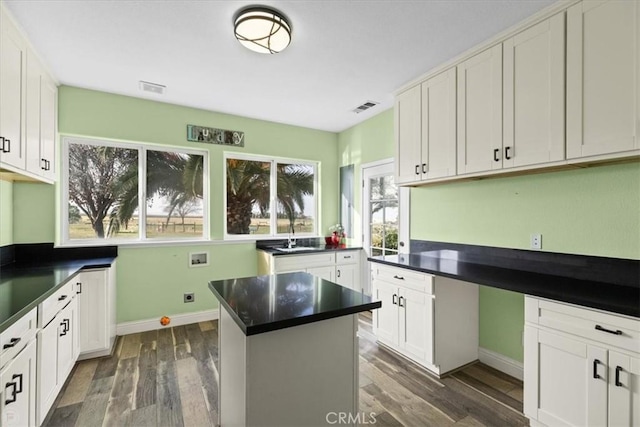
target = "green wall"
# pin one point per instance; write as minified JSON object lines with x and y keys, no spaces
{"x":592,"y":211}
{"x":6,"y":213}
{"x":151,"y":280}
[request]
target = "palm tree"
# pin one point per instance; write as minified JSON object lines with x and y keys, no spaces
{"x":248,"y":186}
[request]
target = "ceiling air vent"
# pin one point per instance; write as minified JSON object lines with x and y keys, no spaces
{"x":152,"y":87}
{"x":364,"y":107}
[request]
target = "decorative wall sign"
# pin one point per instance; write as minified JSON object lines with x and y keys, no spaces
{"x":215,"y":136}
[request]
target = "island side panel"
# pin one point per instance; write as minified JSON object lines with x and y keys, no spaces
{"x":297,"y":376}
{"x":232,"y":366}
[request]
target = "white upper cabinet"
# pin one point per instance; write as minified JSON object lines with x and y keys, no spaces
{"x":480,"y":112}
{"x":408,"y":128}
{"x":13,"y":52}
{"x":439,"y":126}
{"x":534,"y":93}
{"x":603,"y":50}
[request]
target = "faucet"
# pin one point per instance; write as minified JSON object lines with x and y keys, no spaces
{"x":291,"y":241}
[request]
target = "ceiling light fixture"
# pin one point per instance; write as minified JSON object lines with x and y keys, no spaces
{"x":262,"y":29}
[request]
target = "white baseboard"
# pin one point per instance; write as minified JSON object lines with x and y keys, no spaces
{"x":176,"y":320}
{"x":501,"y":363}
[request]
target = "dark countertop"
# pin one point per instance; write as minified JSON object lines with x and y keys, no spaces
{"x":585,"y":283}
{"x":24,"y":285}
{"x":313,"y":245}
{"x":268,"y":303}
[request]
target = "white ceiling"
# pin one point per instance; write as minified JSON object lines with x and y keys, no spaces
{"x":343,"y":52}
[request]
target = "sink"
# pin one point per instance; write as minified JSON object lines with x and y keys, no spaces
{"x":296,"y":249}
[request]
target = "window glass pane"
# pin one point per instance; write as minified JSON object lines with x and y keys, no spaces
{"x":174,"y":195}
{"x":383,"y":188}
{"x":103,"y":192}
{"x":391,"y":236}
{"x":296,"y":199}
{"x":248,"y":194}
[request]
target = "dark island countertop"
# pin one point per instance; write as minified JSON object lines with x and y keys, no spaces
{"x":268,"y":303}
{"x":603,"y":283}
{"x":24,"y":285}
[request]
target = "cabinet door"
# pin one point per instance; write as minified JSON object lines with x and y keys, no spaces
{"x":534,"y":94}
{"x":348,"y":275}
{"x":565,"y":380}
{"x":92,"y":308}
{"x":408,"y":136}
{"x":48,"y":120}
{"x":602,"y":77}
{"x":12,"y":83}
{"x":624,"y":390}
{"x":416,"y":324}
{"x":47,"y":367}
{"x":34,"y":163}
{"x":66,"y":341}
{"x":480,"y":112}
{"x":327,"y":273}
{"x":18,"y":382}
{"x":385,"y":319}
{"x":439,"y":126}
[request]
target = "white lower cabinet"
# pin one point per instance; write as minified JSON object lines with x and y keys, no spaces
{"x":342,"y":267}
{"x":431,"y":320}
{"x":96,"y":311}
{"x":57,"y":353}
{"x":581,"y":366}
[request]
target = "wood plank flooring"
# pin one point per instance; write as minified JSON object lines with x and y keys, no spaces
{"x":169,"y":377}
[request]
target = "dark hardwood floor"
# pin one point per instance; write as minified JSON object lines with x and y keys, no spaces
{"x":169,"y":378}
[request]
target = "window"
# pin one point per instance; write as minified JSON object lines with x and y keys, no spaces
{"x":270,"y":197}
{"x":382,"y":210}
{"x":104,"y":182}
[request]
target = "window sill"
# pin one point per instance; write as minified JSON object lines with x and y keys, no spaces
{"x":150,"y":244}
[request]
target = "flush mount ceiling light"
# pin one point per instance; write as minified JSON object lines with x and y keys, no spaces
{"x":262,"y":29}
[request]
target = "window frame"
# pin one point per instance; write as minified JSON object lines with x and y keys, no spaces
{"x":142,"y":148}
{"x":273,"y":202}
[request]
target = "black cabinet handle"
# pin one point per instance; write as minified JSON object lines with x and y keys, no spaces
{"x":400,"y":301}
{"x":618,"y":370}
{"x":398,"y":277}
{"x":62,"y":298}
{"x":347,"y":257}
{"x":44,"y":162}
{"x":19,"y":386}
{"x":12,"y":343}
{"x":596,"y":362}
{"x":338,"y":273}
{"x":395,"y":299}
{"x":417,"y":169}
{"x":495,"y":154}
{"x":79,"y":291}
{"x":424,"y":168}
{"x":67,"y":324}
{"x":506,"y":153}
{"x":65,"y":327}
{"x":13,"y":392}
{"x":616,"y":332}
{"x":1,"y":144}
{"x":6,"y":147}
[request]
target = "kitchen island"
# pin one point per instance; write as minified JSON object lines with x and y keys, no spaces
{"x":288,"y":350}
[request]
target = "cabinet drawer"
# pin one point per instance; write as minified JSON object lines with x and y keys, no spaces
{"x":420,"y":282}
{"x":347,"y":257}
{"x":17,"y":336}
{"x":615,"y":330}
{"x":301,"y":262}
{"x":56,"y":302}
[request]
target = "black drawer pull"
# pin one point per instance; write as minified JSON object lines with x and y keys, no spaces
{"x":19,"y":378}
{"x":346,"y":257}
{"x":506,"y":153}
{"x":13,"y":393}
{"x":398,"y":277}
{"x":616,"y":332}
{"x":395,"y":300}
{"x":6,"y":148}
{"x":12,"y":343}
{"x":62,"y":298}
{"x":417,"y":169}
{"x":79,"y":291}
{"x":424,"y":168}
{"x":338,"y":273}
{"x":495,"y":154}
{"x":596,"y":362}
{"x":618,"y":370}
{"x":400,"y":301}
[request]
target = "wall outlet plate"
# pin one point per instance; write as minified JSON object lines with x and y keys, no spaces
{"x":189,"y":297}
{"x":198,"y":259}
{"x":536,"y":241}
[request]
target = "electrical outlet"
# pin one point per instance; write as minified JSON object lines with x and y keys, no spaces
{"x":536,"y":241}
{"x":189,"y":297}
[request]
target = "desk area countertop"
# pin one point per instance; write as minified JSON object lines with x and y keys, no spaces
{"x":37,"y":271}
{"x":268,"y":303}
{"x":608,"y":284}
